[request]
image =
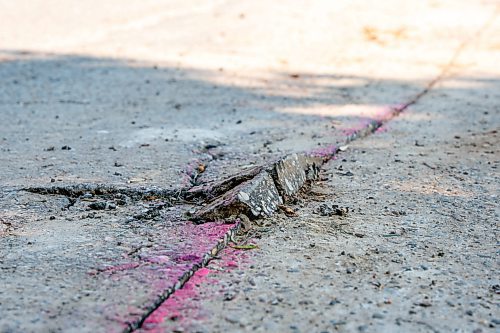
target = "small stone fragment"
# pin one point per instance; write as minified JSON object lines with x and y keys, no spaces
{"x":99,"y":205}
{"x":331,"y":210}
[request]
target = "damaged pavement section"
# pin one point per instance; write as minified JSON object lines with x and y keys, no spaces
{"x":64,"y":264}
{"x":281,"y":180}
{"x":261,"y":196}
{"x":258,"y":196}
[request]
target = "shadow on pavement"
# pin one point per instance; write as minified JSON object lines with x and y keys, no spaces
{"x":81,"y":119}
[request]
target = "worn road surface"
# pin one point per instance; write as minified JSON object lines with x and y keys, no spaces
{"x":114,"y":115}
{"x":416,"y":252}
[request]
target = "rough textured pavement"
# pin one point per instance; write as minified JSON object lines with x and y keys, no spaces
{"x":417,"y":250}
{"x":152,"y":98}
{"x":144,"y":94}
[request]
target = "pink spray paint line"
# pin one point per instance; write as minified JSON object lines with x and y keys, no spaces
{"x":378,"y":117}
{"x":175,"y":307}
{"x":325,"y":152}
{"x":184,"y":307}
{"x":184,"y":247}
{"x":178,"y":307}
{"x":171,"y":308}
{"x":372,"y":118}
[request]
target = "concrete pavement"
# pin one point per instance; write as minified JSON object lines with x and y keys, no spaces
{"x":111,"y":112}
{"x":417,"y":250}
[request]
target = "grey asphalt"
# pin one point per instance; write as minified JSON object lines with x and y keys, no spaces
{"x":109,"y":113}
{"x":417,"y":250}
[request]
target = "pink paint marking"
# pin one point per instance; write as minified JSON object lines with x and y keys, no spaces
{"x":324,"y":152}
{"x":184,"y":307}
{"x":231,"y":263}
{"x":183,"y":245}
{"x":162,"y":268}
{"x":177,"y":305}
{"x":370,"y":117}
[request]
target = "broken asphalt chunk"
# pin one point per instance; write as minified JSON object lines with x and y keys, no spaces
{"x":215,"y":189}
{"x":331,"y":210}
{"x":256,"y":197}
{"x":291,"y":173}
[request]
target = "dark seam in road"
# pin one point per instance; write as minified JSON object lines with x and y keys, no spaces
{"x":187,"y":195}
{"x":221,"y":244}
{"x":359,"y":134}
{"x":77,"y":190}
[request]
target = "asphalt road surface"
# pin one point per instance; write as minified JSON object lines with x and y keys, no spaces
{"x":113,"y":116}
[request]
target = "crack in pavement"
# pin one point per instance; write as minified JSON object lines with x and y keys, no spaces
{"x":213,"y":190}
{"x":78,"y":190}
{"x":229,"y":197}
{"x":221,"y":244}
{"x":324,"y":154}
